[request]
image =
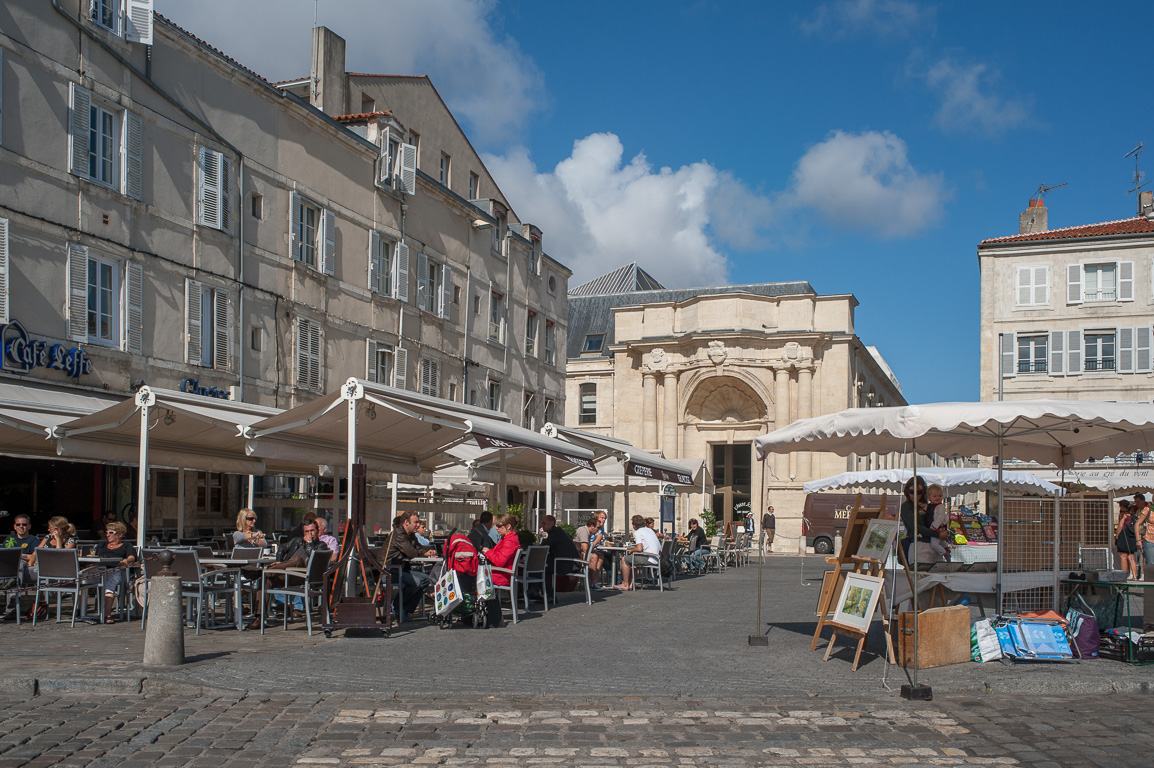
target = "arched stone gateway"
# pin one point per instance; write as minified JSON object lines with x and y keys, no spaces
{"x":725,"y":399}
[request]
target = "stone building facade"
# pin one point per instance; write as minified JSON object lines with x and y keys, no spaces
{"x":700,"y":372}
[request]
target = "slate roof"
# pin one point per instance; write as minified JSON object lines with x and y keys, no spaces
{"x":1137,"y":225}
{"x":624,"y":280}
{"x":590,"y":314}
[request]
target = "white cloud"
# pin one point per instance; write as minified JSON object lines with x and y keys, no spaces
{"x":866,"y":181}
{"x":965,"y":103}
{"x":880,"y":18}
{"x":599,"y":213}
{"x":485,"y":78}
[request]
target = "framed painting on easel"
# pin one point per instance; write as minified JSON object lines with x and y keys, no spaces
{"x":858,"y":601}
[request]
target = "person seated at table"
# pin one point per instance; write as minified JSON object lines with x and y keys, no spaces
{"x":246,"y":533}
{"x":400,"y":550}
{"x":585,"y":535}
{"x":298,"y":532}
{"x":294,"y":554}
{"x":560,"y":545}
{"x":645,"y":546}
{"x":479,"y":533}
{"x":502,"y":554}
{"x":102,"y":526}
{"x":698,"y":544}
{"x":328,"y":539}
{"x":61,"y":534}
{"x":422,"y":534}
{"x":599,"y":541}
{"x":23,"y":539}
{"x":115,"y":579}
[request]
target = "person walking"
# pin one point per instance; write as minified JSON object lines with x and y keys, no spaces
{"x":1126,"y":540}
{"x":769,"y":528}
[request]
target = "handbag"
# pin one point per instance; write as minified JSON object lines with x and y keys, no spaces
{"x":485,"y":582}
{"x":447,"y":593}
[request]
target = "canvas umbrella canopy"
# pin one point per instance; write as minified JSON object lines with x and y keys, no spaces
{"x":975,"y":478}
{"x":1058,"y":432}
{"x":1129,"y":480}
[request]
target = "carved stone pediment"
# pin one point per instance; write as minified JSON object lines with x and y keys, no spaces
{"x":725,"y":399}
{"x":717,"y":352}
{"x":657,"y":360}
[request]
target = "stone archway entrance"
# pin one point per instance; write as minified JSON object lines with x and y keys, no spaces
{"x":728,"y":414}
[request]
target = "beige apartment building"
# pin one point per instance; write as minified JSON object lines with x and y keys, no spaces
{"x":1067,"y":313}
{"x":169,"y":217}
{"x":698,"y":373}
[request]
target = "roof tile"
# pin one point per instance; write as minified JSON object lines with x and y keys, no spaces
{"x":1136,"y":225}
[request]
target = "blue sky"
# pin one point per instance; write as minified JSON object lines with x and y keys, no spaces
{"x":865,"y":146}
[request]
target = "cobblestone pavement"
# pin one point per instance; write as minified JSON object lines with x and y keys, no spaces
{"x":258,"y":730}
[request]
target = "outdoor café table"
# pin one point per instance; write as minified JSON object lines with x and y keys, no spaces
{"x":616,"y":553}
{"x":1121,"y":590}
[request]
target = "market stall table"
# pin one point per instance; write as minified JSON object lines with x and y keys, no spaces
{"x":1121,"y":590}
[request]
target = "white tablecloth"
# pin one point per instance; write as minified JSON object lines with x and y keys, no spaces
{"x":986,"y":583}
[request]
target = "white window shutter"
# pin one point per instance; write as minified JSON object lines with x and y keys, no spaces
{"x":1041,"y":286}
{"x":435,"y":378}
{"x":1125,"y":281}
{"x":408,"y":169}
{"x":192,"y":318}
{"x":134,"y":311}
{"x":400,"y":367}
{"x":446,"y":290}
{"x":225,"y":194}
{"x":1023,"y":290}
{"x":294,"y":226}
{"x":371,"y":361}
{"x":221,"y":324}
{"x":138,"y":21}
{"x":329,"y":237}
{"x":1125,"y":350}
{"x":1142,"y":344}
{"x":133,"y":155}
{"x":401,"y":273}
{"x":1,"y":96}
{"x":1057,"y":353}
{"x":1009,"y":351}
{"x":374,"y":262}
{"x":1074,"y":284}
{"x":77,"y":292}
{"x":209,"y":188}
{"x":79,"y":119}
{"x":1073,"y":352}
{"x":423,"y":281}
{"x":3,"y":270}
{"x":316,"y":348}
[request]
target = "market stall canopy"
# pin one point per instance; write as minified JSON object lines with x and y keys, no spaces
{"x":1058,"y":432}
{"x":1128,"y":480}
{"x":975,"y":478}
{"x":636,"y":461}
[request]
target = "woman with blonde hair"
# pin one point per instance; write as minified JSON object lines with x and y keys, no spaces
{"x":114,"y":546}
{"x":61,"y":534}
{"x":246,"y":533}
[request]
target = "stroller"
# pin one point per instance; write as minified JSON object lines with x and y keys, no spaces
{"x":462,"y":558}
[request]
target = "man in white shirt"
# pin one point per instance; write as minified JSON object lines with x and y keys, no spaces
{"x":644,"y":543}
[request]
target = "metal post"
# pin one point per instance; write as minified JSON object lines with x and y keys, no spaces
{"x":180,"y":503}
{"x":144,"y":400}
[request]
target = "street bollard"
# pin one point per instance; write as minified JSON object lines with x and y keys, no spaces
{"x":164,"y":629}
{"x":801,"y":545}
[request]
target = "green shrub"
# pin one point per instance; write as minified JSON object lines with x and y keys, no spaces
{"x":709,"y":522}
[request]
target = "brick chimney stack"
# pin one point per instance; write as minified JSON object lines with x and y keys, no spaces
{"x":1033,"y":219}
{"x":1146,"y":204}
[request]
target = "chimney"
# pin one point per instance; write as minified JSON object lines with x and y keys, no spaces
{"x":1146,"y":204}
{"x":1033,"y":219}
{"x":330,"y":87}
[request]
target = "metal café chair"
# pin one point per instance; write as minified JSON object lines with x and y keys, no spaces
{"x":58,"y":572}
{"x":579,"y":570}
{"x":200,"y":584}
{"x":511,"y":587}
{"x":533,"y":572}
{"x":12,"y":575}
{"x":306,"y":583}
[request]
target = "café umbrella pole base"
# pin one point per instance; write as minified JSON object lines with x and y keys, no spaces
{"x":759,"y":639}
{"x":917,"y":693}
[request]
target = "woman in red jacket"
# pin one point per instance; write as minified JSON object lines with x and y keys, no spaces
{"x":502,"y":555}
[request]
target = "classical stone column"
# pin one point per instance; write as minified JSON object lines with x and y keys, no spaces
{"x":669,"y":438}
{"x":649,"y":410}
{"x":781,"y":418}
{"x":804,"y":411}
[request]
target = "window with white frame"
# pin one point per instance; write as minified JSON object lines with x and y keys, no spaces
{"x":430,"y":377}
{"x":550,"y":343}
{"x":106,"y":13}
{"x":528,"y":408}
{"x":379,"y":363}
{"x":208,"y":320}
{"x":312,"y":234}
{"x":1032,"y":353}
{"x":588,"y":404}
{"x":1100,"y":282}
{"x":380,"y":264}
{"x":499,"y":233}
{"x":497,"y":317}
{"x":534,"y":254}
{"x":308,"y":354}
{"x":434,"y":286}
{"x":210,"y":492}
{"x":1100,"y":351}
{"x":474,"y":185}
{"x":105,"y":299}
{"x":494,"y":395}
{"x":214,"y":189}
{"x":1032,"y":286}
{"x":131,"y":19}
{"x":446,"y":165}
{"x":549,"y":410}
{"x":106,"y":142}
{"x":531,"y":334}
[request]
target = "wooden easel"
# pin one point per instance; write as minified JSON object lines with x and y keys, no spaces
{"x":859,"y":520}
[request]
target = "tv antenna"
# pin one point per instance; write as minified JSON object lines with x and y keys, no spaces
{"x":1139,"y":176}
{"x":1043,"y":189}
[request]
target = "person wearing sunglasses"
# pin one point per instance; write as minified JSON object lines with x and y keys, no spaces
{"x":916,"y":518}
{"x":246,"y":533}
{"x":21,"y":538}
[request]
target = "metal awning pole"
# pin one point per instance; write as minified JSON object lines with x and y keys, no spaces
{"x":144,"y":400}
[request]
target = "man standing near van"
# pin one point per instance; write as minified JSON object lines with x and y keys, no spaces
{"x":769,"y":528}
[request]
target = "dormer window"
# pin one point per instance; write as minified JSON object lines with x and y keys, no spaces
{"x":593,"y":343}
